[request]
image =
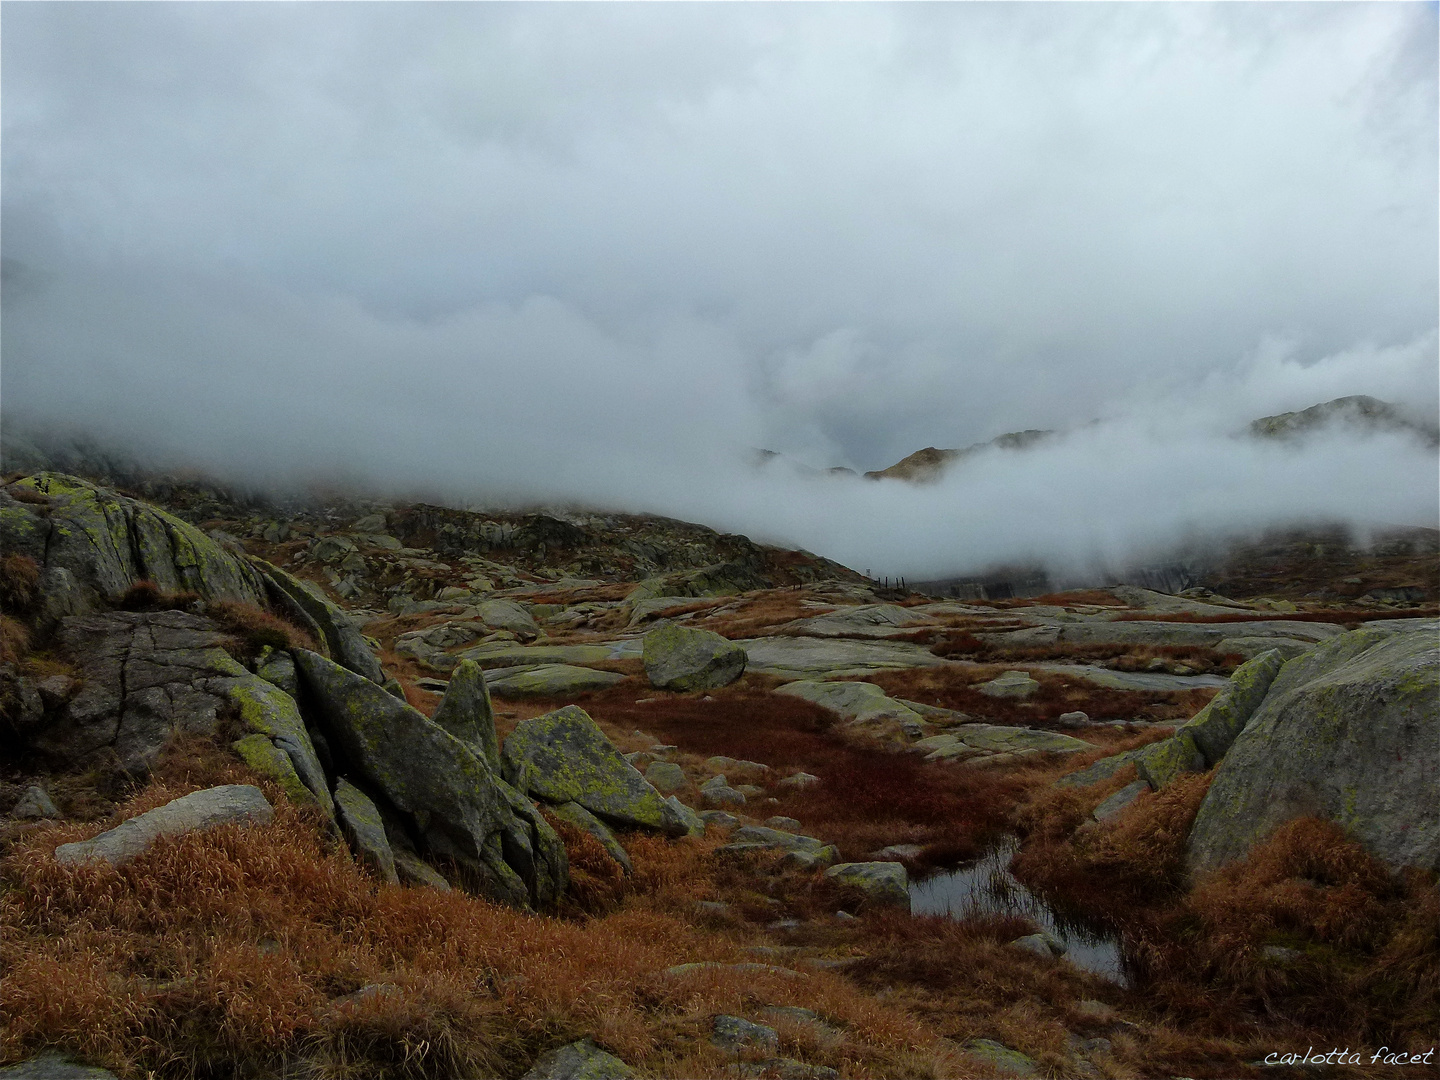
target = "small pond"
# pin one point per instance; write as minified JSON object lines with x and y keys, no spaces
{"x":988,"y":888}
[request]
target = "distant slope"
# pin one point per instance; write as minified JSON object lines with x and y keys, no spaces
{"x":1358,"y":413}
{"x":926,"y":465}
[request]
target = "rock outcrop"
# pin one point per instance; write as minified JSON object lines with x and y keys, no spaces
{"x":683,"y":658}
{"x":332,"y":627}
{"x":92,"y":545}
{"x":459,"y":808}
{"x":1348,"y":732}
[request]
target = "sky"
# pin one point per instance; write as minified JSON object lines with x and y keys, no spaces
{"x":595,"y":253}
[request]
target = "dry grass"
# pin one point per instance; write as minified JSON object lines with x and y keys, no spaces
{"x":14,"y":639}
{"x":1345,"y":617}
{"x":1117,"y":655}
{"x":761,"y":612}
{"x":19,"y":583}
{"x":257,"y":629}
{"x":147,"y":596}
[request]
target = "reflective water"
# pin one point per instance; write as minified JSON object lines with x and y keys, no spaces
{"x":988,"y":888}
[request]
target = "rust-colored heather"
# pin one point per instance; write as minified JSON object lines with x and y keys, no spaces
{"x":760,"y":612}
{"x":147,"y":596}
{"x":257,"y":628}
{"x":14,"y":639}
{"x":19,"y":582}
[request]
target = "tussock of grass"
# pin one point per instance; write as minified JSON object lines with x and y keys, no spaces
{"x":257,"y":629}
{"x":19,"y":582}
{"x":148,"y":596}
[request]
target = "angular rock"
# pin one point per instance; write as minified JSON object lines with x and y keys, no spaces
{"x":880,"y":882}
{"x":563,"y":756}
{"x":581,"y":1060}
{"x":716,"y":792}
{"x":364,"y":830}
{"x":687,"y":659}
{"x":693,"y":822}
{"x":35,"y":804}
{"x":413,"y":870}
{"x":969,"y":739}
{"x":508,"y":615}
{"x":274,"y":765}
{"x":229,"y":804}
{"x":335,"y":629}
{"x":1160,"y":763}
{"x":1216,"y":726}
{"x":721,"y":819}
{"x":276,"y":667}
{"x":549,"y":681}
{"x":463,"y":810}
{"x":267,"y":710}
{"x":800,"y":780}
{"x":581,"y":818}
{"x":1042,"y":944}
{"x":1103,"y":769}
{"x":1012,"y":684}
{"x":1348,"y":732}
{"x":1120,"y":800}
{"x":465,"y":711}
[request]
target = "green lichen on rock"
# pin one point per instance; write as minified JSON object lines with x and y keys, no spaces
{"x":465,"y":711}
{"x":1216,"y":726}
{"x":463,"y":810}
{"x":274,"y":764}
{"x":268,"y":711}
{"x":878,"y":882}
{"x":1160,"y":763}
{"x":364,"y":830}
{"x":550,"y":681}
{"x":1349,"y":732}
{"x":337,"y":631}
{"x":563,"y":756}
{"x":685,"y":658}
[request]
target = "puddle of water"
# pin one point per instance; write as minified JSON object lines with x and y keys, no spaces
{"x":988,"y":888}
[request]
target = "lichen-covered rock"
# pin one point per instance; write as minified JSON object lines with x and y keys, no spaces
{"x":465,"y":711}
{"x":461,"y":808}
{"x":735,"y":1033}
{"x":229,"y":804}
{"x":53,"y":1065}
{"x":880,"y":882}
{"x":334,"y":629}
{"x":364,"y":829}
{"x":508,"y":615}
{"x":92,"y":545}
{"x":563,"y":756}
{"x":1350,"y":732}
{"x":549,"y":681}
{"x":1001,"y":1059}
{"x":1216,"y":726}
{"x":684,"y":658}
{"x":581,"y":1060}
{"x":1160,"y":763}
{"x":267,"y":710}
{"x":693,"y":822}
{"x":665,"y":776}
{"x":582,"y":819}
{"x":753,"y":838}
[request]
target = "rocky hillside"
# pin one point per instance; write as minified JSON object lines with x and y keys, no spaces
{"x":348,"y":789}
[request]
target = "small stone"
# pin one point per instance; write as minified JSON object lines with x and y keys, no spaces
{"x":800,"y":780}
{"x":1012,"y":684}
{"x":779,"y":821}
{"x":845,"y":916}
{"x":665,"y":776}
{"x":721,"y":819}
{"x":1001,"y":1058}
{"x":1072,"y":719}
{"x":35,"y":804}
{"x":735,"y":1034}
{"x":1042,"y":944}
{"x":1120,"y":800}
{"x":882,"y":882}
{"x":581,"y":1060}
{"x":1281,"y":955}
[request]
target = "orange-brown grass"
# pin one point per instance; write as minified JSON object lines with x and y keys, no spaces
{"x":236,"y":952}
{"x":764,"y":611}
{"x":1122,"y":656}
{"x":1368,"y":941}
{"x":256,"y":628}
{"x":867,"y":799}
{"x":1073,"y":598}
{"x":953,"y":687}
{"x":148,"y":596}
{"x":14,"y":639}
{"x":19,"y":582}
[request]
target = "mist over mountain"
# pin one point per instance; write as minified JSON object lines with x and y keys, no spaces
{"x":587,"y":256}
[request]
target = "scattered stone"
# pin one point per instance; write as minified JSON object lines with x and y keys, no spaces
{"x":229,"y":804}
{"x":1281,"y":955}
{"x":881,"y":882}
{"x":693,"y":822}
{"x":779,"y":821}
{"x":971,"y":740}
{"x":580,"y":1060}
{"x":1120,"y":800}
{"x":717,"y":792}
{"x":800,"y":780}
{"x":751,"y":770}
{"x":845,"y":916}
{"x":810,"y":852}
{"x":1001,"y":1058}
{"x":686,"y":659}
{"x":1042,"y":944}
{"x":1012,"y":684}
{"x":665,"y":776}
{"x":1073,"y":719}
{"x":721,"y":819}
{"x":898,"y":851}
{"x":735,"y":1034}
{"x":782,"y":1069}
{"x":508,"y":615}
{"x":35,"y":804}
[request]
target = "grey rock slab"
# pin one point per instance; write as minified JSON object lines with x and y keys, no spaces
{"x":508,"y":615}
{"x":364,"y":830}
{"x":812,"y":658}
{"x":1130,"y":680}
{"x":1348,"y":732}
{"x":229,"y":804}
{"x":580,"y":1060}
{"x":549,"y":681}
{"x":1011,"y":684}
{"x":779,"y":821}
{"x":563,"y":756}
{"x":1098,"y":771}
{"x":864,"y":620}
{"x":858,"y":702}
{"x":968,"y":740}
{"x":503,"y":654}
{"x":1216,"y":726}
{"x":1251,"y":647}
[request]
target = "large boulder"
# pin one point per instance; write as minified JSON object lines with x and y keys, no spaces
{"x":92,"y":544}
{"x":1348,"y":732}
{"x":465,"y":711}
{"x":685,"y":658}
{"x":563,"y":757}
{"x":229,"y":804}
{"x":461,"y":808}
